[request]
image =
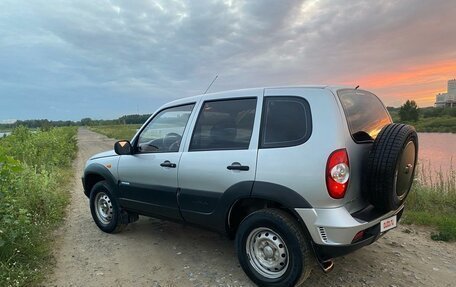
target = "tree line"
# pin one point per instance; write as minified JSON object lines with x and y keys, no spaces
{"x":45,"y":123}
{"x":410,"y":112}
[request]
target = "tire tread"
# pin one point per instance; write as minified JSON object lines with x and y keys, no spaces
{"x":382,"y":162}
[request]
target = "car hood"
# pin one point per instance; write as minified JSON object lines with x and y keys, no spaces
{"x":104,"y":154}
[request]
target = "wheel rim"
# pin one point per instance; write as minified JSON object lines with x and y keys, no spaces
{"x":267,"y":252}
{"x":103,"y":208}
{"x":404,"y":172}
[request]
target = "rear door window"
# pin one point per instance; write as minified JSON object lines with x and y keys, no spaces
{"x":286,"y":122}
{"x":365,"y":114}
{"x":224,"y":125}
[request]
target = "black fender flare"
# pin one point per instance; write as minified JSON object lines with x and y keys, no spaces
{"x":99,"y":170}
{"x":261,"y":190}
{"x":279,"y":193}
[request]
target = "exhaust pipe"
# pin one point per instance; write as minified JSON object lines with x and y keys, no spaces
{"x":327,"y":266}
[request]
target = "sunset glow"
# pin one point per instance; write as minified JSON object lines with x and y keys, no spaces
{"x":77,"y":59}
{"x":419,"y":83}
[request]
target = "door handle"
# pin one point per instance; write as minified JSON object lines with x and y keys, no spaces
{"x":237,"y":166}
{"x":167,"y":163}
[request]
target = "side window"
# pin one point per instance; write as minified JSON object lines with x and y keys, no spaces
{"x":286,"y":122}
{"x":224,"y":124}
{"x":164,"y":132}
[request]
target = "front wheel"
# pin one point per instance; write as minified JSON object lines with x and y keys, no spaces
{"x":104,"y":208}
{"x":272,"y":249}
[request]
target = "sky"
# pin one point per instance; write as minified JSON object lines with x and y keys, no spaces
{"x":66,"y":60}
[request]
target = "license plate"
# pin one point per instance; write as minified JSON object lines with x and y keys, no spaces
{"x":387,"y":224}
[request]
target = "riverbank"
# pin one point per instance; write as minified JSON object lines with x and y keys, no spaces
{"x":445,"y":124}
{"x":431,"y":120}
{"x":4,"y":133}
{"x":35,"y":168}
{"x":432,"y":202}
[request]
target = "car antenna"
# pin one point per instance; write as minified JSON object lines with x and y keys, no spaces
{"x":357,"y":87}
{"x":211,"y":84}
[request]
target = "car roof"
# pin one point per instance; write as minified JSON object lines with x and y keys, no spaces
{"x":250,"y":90}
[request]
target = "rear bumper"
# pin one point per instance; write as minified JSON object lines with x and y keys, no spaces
{"x":333,"y":230}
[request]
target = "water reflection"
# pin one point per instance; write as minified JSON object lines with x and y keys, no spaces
{"x":437,"y":153}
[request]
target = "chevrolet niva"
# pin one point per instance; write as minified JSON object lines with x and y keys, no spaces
{"x":296,"y":175}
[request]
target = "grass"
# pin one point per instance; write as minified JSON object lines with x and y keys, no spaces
{"x":444,"y":124}
{"x":35,"y":169}
{"x":120,"y":132}
{"x":432,"y":202}
{"x":434,"y":124}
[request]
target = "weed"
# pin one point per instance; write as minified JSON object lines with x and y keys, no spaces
{"x":432,"y":201}
{"x":34,"y":166}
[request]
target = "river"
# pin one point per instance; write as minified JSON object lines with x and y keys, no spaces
{"x":437,"y":152}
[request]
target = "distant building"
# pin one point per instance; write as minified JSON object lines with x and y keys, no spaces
{"x":452,"y":90}
{"x":447,"y":99}
{"x":440,"y":100}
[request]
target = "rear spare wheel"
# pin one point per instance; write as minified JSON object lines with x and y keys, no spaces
{"x":391,"y":166}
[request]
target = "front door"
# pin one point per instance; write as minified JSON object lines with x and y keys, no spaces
{"x":148,"y":178}
{"x":220,"y":158}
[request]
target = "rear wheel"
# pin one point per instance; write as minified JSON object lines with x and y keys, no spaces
{"x":391,"y":166}
{"x":104,"y":208}
{"x":272,"y":249}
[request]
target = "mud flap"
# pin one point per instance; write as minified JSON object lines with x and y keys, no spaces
{"x":127,"y":217}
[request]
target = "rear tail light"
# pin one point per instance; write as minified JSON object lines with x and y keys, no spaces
{"x":337,"y":173}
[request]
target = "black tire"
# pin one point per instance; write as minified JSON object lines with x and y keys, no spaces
{"x":285,"y":229}
{"x":101,"y":192}
{"x":391,"y":166}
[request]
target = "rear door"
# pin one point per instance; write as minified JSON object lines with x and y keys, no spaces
{"x":220,"y":156}
{"x":365,"y":115}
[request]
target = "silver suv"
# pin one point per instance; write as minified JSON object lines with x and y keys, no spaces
{"x":294,"y":174}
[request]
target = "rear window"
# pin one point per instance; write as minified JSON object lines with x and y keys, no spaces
{"x":365,"y":114}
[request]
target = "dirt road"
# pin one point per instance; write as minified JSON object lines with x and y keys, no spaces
{"x":152,"y":252}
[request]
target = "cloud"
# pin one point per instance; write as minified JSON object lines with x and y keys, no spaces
{"x":104,"y":59}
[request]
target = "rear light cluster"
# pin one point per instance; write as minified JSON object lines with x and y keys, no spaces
{"x":337,"y":173}
{"x":358,"y":236}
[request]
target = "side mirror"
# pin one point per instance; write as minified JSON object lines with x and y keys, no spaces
{"x":123,"y":147}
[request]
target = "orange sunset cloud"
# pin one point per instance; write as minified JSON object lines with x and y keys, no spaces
{"x":420,"y":83}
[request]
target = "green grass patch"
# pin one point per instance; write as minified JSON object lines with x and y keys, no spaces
{"x":439,"y":121}
{"x":432,"y":202}
{"x":120,"y":132}
{"x":444,"y":124}
{"x":35,"y":169}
